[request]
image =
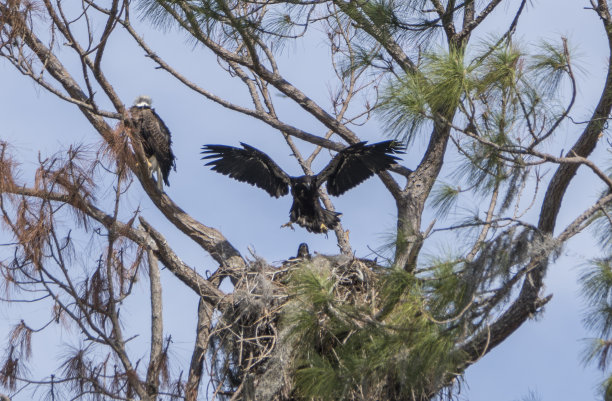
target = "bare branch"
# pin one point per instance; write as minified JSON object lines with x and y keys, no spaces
{"x":157,"y":333}
{"x":197,"y":357}
{"x":183,"y":272}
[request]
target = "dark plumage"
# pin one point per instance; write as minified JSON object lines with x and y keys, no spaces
{"x":303,"y":251}
{"x":303,"y":254}
{"x":350,"y":167}
{"x":155,"y":137}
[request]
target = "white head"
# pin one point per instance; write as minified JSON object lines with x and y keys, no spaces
{"x":143,"y":101}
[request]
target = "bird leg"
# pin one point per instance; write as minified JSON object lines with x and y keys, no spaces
{"x":138,"y":164}
{"x":288,"y":224}
{"x":325,"y":230}
{"x":154,"y":169}
{"x":158,"y":181}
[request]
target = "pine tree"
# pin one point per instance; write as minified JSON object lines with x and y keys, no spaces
{"x":403,"y":326}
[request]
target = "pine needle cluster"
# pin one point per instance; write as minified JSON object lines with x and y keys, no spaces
{"x":338,"y":328}
{"x":371,"y":337}
{"x":597,"y":289}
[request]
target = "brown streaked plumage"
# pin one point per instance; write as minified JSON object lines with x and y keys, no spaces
{"x":155,"y":137}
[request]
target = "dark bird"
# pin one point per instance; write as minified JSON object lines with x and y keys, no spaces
{"x":155,"y":137}
{"x":303,"y":251}
{"x":303,"y":254}
{"x":350,"y":167}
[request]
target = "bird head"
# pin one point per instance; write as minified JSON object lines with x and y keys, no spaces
{"x":303,"y":185}
{"x":143,"y":101}
{"x":303,"y":251}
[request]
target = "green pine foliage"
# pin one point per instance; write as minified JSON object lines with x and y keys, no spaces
{"x":376,"y":343}
{"x":443,"y":198}
{"x":500,"y":92}
{"x":415,"y":98}
{"x":551,"y":64}
{"x":601,"y":222}
{"x":596,"y":283}
{"x":396,"y":334}
{"x":597,"y":289}
{"x":402,"y":341}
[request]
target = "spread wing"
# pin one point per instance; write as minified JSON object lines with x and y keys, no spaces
{"x":248,"y":165}
{"x":356,"y":163}
{"x":156,"y":138}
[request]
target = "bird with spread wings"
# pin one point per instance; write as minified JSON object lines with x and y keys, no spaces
{"x":350,"y":167}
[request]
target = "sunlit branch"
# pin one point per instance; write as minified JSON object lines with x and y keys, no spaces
{"x":186,"y":274}
{"x":487,"y":225}
{"x":446,"y":16}
{"x":196,"y":370}
{"x":155,"y":353}
{"x":470,"y":26}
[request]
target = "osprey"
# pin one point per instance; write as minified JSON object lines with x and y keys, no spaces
{"x":350,"y":167}
{"x":155,"y":138}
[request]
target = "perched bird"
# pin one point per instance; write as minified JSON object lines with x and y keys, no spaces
{"x":155,"y":137}
{"x":350,"y":167}
{"x":303,"y":254}
{"x":303,"y":251}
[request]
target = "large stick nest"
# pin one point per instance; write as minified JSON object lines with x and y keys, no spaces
{"x":252,"y":349}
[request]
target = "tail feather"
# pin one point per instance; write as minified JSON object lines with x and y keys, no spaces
{"x":331,"y":219}
{"x":323,"y":221}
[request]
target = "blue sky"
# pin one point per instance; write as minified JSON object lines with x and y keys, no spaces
{"x":542,"y":356}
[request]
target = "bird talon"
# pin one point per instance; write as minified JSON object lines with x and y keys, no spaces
{"x":347,"y":169}
{"x":288,"y":224}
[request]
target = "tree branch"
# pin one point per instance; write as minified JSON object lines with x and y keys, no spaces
{"x":528,"y":300}
{"x":157,"y":331}
{"x":210,"y":239}
{"x":186,"y":274}
{"x":199,"y":350}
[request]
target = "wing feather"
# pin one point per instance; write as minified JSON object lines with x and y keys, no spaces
{"x":161,"y":140}
{"x":356,"y":163}
{"x":248,"y":165}
{"x":156,"y":138}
